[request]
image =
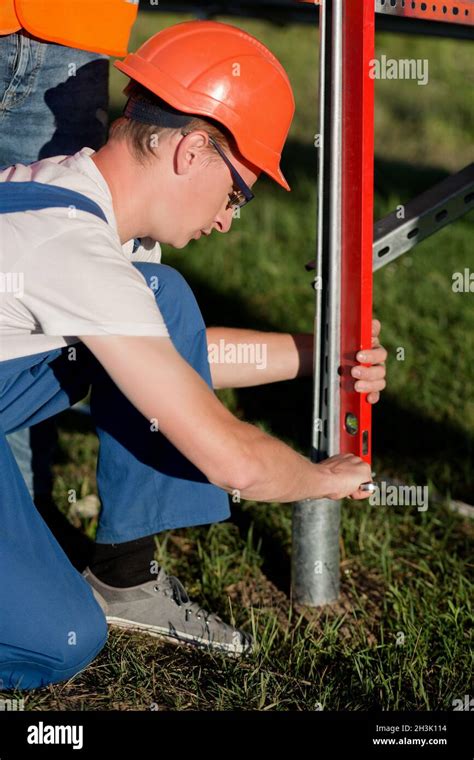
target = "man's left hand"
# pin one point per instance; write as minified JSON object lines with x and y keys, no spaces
{"x":371,"y":380}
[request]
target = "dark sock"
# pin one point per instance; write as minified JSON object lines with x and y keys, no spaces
{"x":78,"y":547}
{"x":126,"y":564}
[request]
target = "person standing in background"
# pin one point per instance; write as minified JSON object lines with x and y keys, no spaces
{"x":54,"y":98}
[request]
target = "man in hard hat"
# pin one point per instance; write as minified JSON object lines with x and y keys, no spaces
{"x":79,"y":310}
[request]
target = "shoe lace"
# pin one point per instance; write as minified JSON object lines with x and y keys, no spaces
{"x":173,"y":586}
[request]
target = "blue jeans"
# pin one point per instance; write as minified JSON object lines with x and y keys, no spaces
{"x":50,"y":625}
{"x":53,"y":101}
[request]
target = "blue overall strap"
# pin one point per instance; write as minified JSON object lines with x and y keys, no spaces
{"x":33,"y":196}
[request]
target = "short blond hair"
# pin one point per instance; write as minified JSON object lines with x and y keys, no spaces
{"x":142,"y":138}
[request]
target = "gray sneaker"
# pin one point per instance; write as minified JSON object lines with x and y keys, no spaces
{"x":162,"y":608}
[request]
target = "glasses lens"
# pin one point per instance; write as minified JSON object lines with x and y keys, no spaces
{"x":236,"y":198}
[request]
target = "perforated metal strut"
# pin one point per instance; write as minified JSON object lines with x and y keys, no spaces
{"x":447,"y":11}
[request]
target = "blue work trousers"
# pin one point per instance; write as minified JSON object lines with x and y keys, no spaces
{"x":50,"y":624}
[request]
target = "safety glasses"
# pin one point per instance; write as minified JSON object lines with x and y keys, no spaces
{"x":242,"y":194}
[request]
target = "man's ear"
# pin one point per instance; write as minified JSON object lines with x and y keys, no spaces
{"x":187,"y":152}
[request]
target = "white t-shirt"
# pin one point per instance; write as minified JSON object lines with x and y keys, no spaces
{"x":64,"y":272}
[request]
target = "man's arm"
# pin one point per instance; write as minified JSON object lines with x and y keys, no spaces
{"x":242,"y":358}
{"x":231,"y":454}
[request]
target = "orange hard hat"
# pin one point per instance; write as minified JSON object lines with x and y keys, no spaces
{"x":215,"y":70}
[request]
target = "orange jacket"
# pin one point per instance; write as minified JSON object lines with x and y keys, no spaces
{"x":101,"y":26}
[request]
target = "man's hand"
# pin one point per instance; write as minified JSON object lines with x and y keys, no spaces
{"x":371,"y":380}
{"x":346,"y":472}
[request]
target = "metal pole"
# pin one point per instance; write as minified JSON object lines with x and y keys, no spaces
{"x":315,"y":558}
{"x":343,"y":284}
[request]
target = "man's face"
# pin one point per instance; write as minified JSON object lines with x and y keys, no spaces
{"x":199,"y":187}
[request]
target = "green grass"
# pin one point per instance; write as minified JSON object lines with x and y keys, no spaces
{"x":399,"y":637}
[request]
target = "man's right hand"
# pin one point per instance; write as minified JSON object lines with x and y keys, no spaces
{"x":346,"y":472}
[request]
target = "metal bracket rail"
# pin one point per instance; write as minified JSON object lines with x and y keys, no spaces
{"x":422,"y":216}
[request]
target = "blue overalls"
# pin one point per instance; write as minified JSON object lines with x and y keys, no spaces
{"x":51,"y":627}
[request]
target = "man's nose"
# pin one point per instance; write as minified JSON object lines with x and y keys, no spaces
{"x":224,"y":220}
